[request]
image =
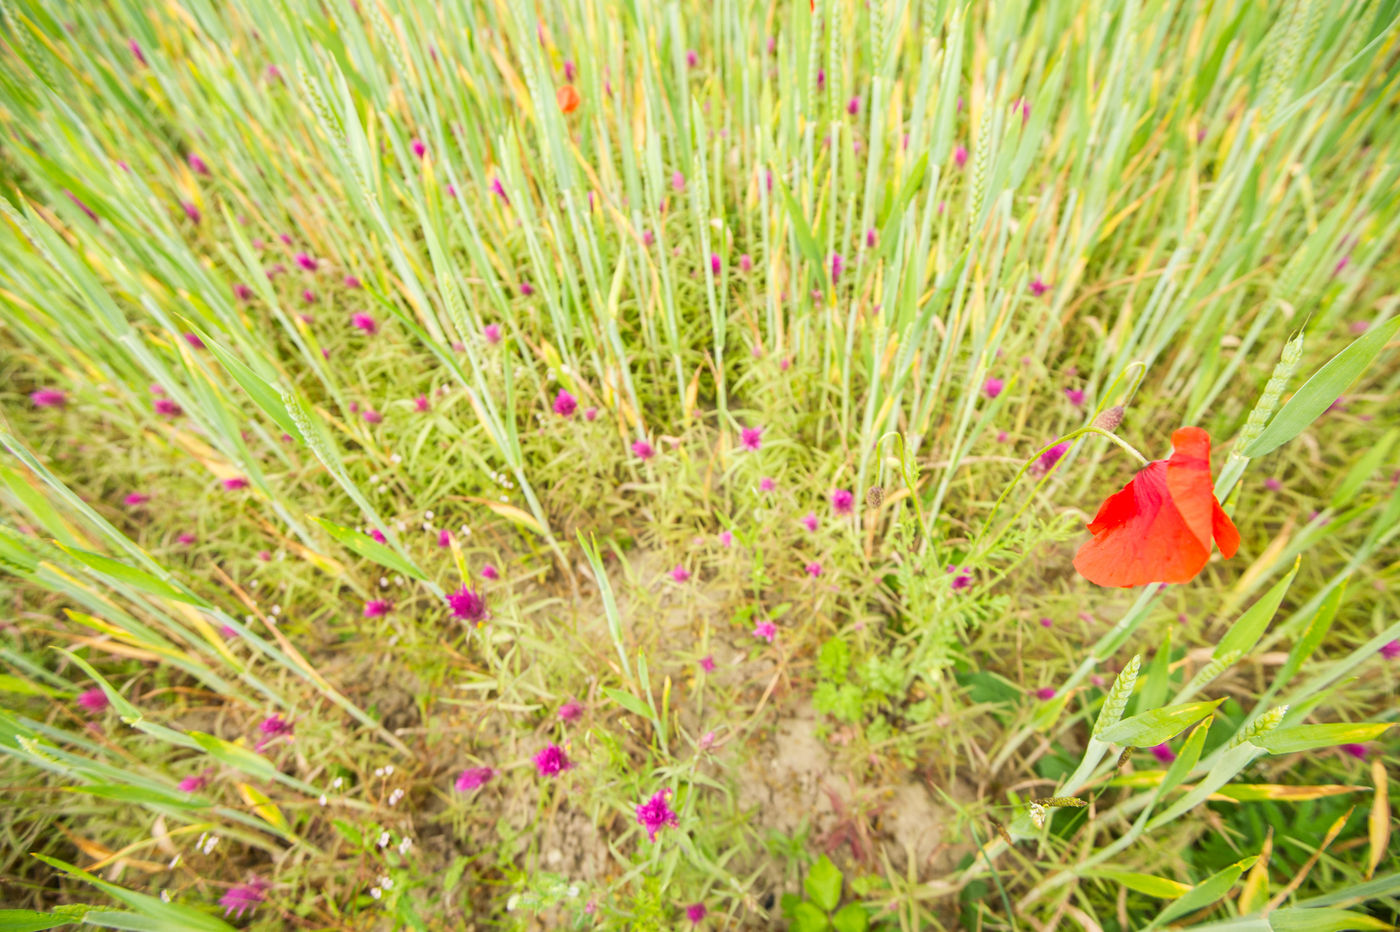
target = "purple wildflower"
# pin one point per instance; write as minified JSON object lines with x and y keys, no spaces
{"x":377,"y":535}
{"x":242,"y":292}
{"x":377,"y":608}
{"x":853,"y":106}
{"x":726,"y":539}
{"x":1272,"y":484}
{"x":1357,"y":751}
{"x":191,"y":211}
{"x":1163,"y":753}
{"x":1049,"y":458}
{"x":766,"y":484}
{"x":93,"y":700}
{"x":351,"y":281}
{"x":305,"y":261}
{"x":765,"y":630}
{"x":692,"y":58}
{"x":193,"y":784}
{"x":552,"y":761}
{"x":243,"y":897}
{"x":1075,"y":396}
{"x":198,"y":164}
{"x":751,"y":438}
{"x":569,"y":71}
{"x":656,"y":814}
{"x":696,"y":912}
{"x":570,"y":711}
{"x":419,"y":149}
{"x":843,"y":501}
{"x":1045,"y":693}
{"x":960,"y":156}
{"x":492,"y":333}
{"x":1039,"y":287}
{"x":136,"y":50}
{"x":677,"y":180}
{"x":166,"y":407}
{"x":992,"y":387}
{"x":1390,"y":650}
{"x":48,"y":398}
{"x":716,"y":266}
{"x":707,"y":663}
{"x":194,"y":341}
{"x":473,"y":778}
{"x":420,"y":403}
{"x":444,"y":538}
{"x":837,"y":266}
{"x":643,"y":450}
{"x":275,"y":725}
{"x":527,"y":289}
{"x":467,"y":604}
{"x":136,"y":498}
{"x":809,"y":521}
{"x":235,"y":483}
{"x":745,"y":262}
{"x":489,"y":572}
{"x":680,"y":574}
{"x":565,"y":404}
{"x":814,"y":569}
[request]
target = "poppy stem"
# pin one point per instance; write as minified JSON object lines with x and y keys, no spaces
{"x":1142,"y":460}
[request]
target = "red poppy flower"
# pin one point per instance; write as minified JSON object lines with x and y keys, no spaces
{"x":1160,"y":526}
{"x":568,"y":98}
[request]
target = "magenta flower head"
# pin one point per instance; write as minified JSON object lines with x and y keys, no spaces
{"x":305,"y":261}
{"x":696,"y":912}
{"x":570,"y":711}
{"x":193,"y":784}
{"x":242,"y":292}
{"x":1272,"y":484}
{"x":680,"y":574}
{"x":745,"y":262}
{"x":853,"y":106}
{"x":527,"y":289}
{"x":871,"y":238}
{"x":569,"y":71}
{"x":992,"y":387}
{"x":643,"y":450}
{"x":191,"y":211}
{"x":275,"y":725}
{"x":48,"y":398}
{"x":1039,"y":287}
{"x":93,"y":701}
{"x":473,"y":778}
{"x":136,"y":498}
{"x":364,"y":323}
{"x":351,"y":281}
{"x":1163,"y":753}
{"x":166,"y":407}
{"x":648,"y":237}
{"x":814,"y":569}
{"x":726,"y":539}
{"x":194,"y":340}
{"x":419,"y":149}
{"x":377,"y":535}
{"x":236,"y":483}
{"x":1390,"y":650}
{"x":467,"y":604}
{"x":565,"y":404}
{"x":552,"y":761}
{"x":960,"y":156}
{"x":136,"y":50}
{"x":420,"y":403}
{"x":765,"y":630}
{"x":243,"y":897}
{"x":809,"y":521}
{"x":198,"y":165}
{"x":377,"y":608}
{"x":837,"y":266}
{"x":766,"y":484}
{"x":707,"y":663}
{"x":692,"y":58}
{"x":1357,"y":751}
{"x":821,"y":78}
{"x":1075,"y":396}
{"x":489,"y":572}
{"x":499,"y":189}
{"x":656,"y":814}
{"x":752,"y":438}
{"x":492,"y":333}
{"x":716,"y":266}
{"x":677,"y":180}
{"x":843,"y":501}
{"x":1045,"y":693}
{"x":308,"y":296}
{"x":186,"y":539}
{"x":1049,"y":458}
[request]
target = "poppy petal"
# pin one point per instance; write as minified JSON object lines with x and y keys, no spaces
{"x":1140,"y":537}
{"x":1227,"y":536}
{"x":1188,"y":481}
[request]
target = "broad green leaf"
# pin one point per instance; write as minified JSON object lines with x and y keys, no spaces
{"x":1324,"y":920}
{"x":851,"y":918}
{"x":129,"y":922}
{"x":1161,"y":887}
{"x":239,"y":758}
{"x":10,"y":683}
{"x":807,"y":918}
{"x":823,"y":884}
{"x":141,"y":794}
{"x":1152,"y":728}
{"x":1187,"y":759}
{"x":369,"y":548}
{"x":1308,"y":737}
{"x":264,"y":395}
{"x":174,"y":915}
{"x":38,"y":505}
{"x":1158,"y":679}
{"x":27,"y":920}
{"x":1249,"y":627}
{"x":806,"y":242}
{"x":1205,"y":892}
{"x":139,"y":579}
{"x":629,"y":702}
{"x":1326,"y":386}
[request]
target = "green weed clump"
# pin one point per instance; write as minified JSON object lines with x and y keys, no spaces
{"x":619,"y":464}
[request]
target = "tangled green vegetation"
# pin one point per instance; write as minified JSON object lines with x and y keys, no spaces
{"x":618,"y":464}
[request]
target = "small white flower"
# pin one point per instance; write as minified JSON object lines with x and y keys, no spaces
{"x":165,"y":895}
{"x":386,"y":882}
{"x":376,"y":892}
{"x":396,"y":458}
{"x":388,"y":769}
{"x":405,"y":845}
{"x":384,"y":840}
{"x":338,"y":782}
{"x":427,"y":514}
{"x":322,"y":800}
{"x":379,"y":771}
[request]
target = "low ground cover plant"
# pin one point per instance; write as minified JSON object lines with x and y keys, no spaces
{"x":606,"y":464}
